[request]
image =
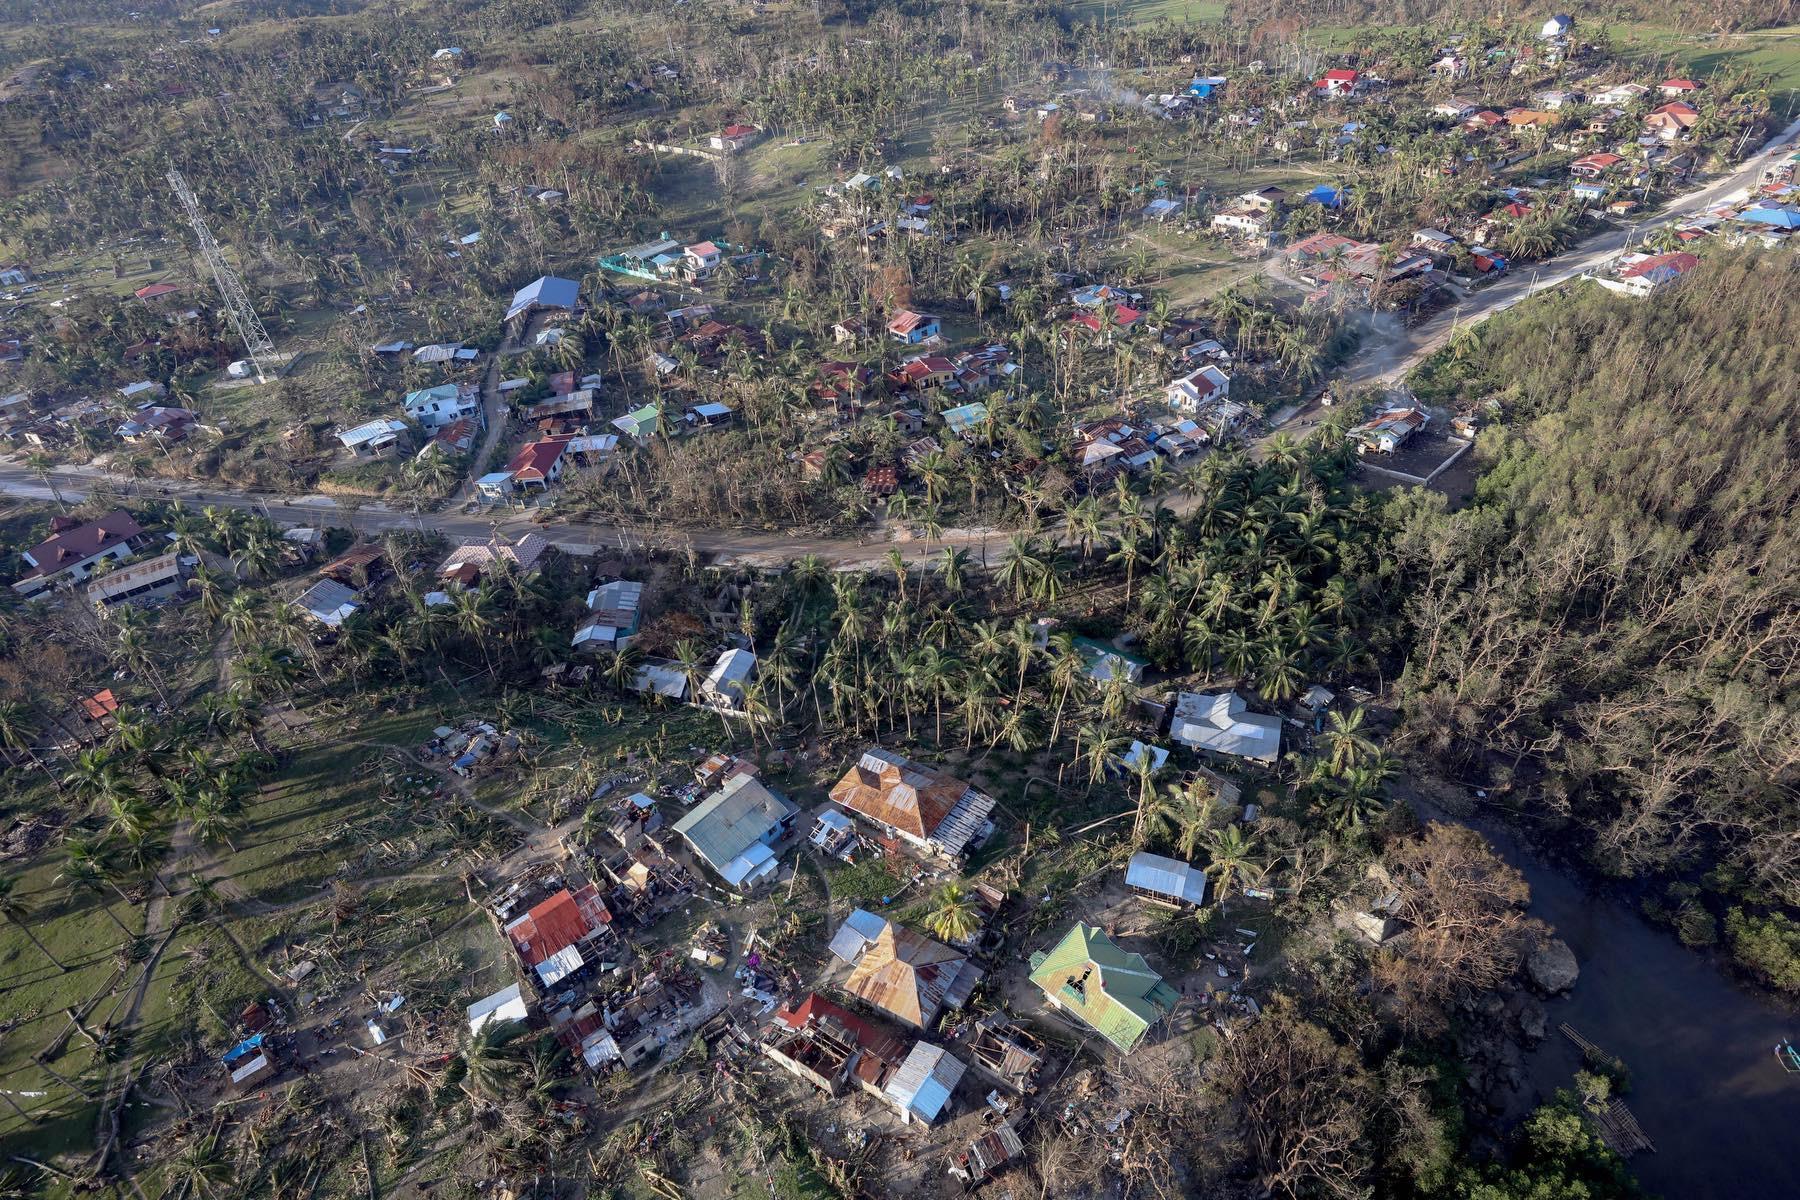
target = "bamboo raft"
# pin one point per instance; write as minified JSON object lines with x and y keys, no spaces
{"x":1621,"y":1131}
{"x":1618,"y":1127}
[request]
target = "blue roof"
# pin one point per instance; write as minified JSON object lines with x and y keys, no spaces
{"x":546,"y":291}
{"x":1327,"y":195}
{"x":1779,"y":218}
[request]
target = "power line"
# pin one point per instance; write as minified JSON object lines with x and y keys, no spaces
{"x":257,"y":343}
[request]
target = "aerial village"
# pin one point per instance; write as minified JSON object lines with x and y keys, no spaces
{"x":870,"y":688}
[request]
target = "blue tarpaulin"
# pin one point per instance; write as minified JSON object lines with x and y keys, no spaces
{"x":1326,"y":195}
{"x":243,"y":1049}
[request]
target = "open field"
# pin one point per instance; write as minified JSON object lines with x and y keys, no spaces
{"x":1143,"y":12}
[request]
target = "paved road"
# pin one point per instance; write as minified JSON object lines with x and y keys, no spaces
{"x":1379,"y":362}
{"x":1386,"y":361}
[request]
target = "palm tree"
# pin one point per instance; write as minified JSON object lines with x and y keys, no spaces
{"x":1347,"y":743}
{"x":18,"y":733}
{"x":1020,"y":566}
{"x":211,"y":591}
{"x":202,"y":1168}
{"x":492,"y":1059}
{"x":1183,"y":817}
{"x":80,"y":875}
{"x":954,"y":568}
{"x":1145,"y":769}
{"x":1130,"y":551}
{"x":1234,"y":859}
{"x":44,"y":467}
{"x":1354,"y":799}
{"x":16,"y":911}
{"x":243,"y":616}
{"x":1099,"y":745}
{"x":212,"y":820}
{"x":954,"y":914}
{"x":897,"y":564}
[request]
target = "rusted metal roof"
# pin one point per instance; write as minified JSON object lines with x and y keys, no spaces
{"x":556,"y":924}
{"x":899,"y":793}
{"x":911,"y":977}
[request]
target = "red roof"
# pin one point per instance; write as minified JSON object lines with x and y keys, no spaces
{"x":1341,"y":75}
{"x":1680,"y":261}
{"x":906,"y":321}
{"x":71,"y":542}
{"x":872,"y":1038}
{"x":556,"y":924}
{"x":152,"y":291}
{"x":535,"y":460}
{"x":737,"y":131}
{"x":100,"y":705}
{"x":1516,"y":209}
{"x":1679,"y":85}
{"x":1601,"y":160}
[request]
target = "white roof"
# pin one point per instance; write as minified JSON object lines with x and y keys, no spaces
{"x":758,"y":862}
{"x":372,"y":431}
{"x":1222,"y":722}
{"x":1158,"y":756}
{"x":730,"y":672}
{"x":328,"y":602}
{"x":1166,"y":877}
{"x":856,"y":934}
{"x":560,"y":966}
{"x":661,"y":679}
{"x":923,"y":1084}
{"x":507,"y":1004}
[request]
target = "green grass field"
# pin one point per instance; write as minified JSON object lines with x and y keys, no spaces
{"x":1771,"y":52}
{"x":1143,"y":12}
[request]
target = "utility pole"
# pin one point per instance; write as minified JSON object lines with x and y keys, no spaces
{"x":257,"y":343}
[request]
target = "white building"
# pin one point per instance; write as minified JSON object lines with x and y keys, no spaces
{"x":723,"y":688}
{"x":1198,"y":388}
{"x":1221,"y":722}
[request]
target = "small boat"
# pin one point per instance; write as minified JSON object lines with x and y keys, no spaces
{"x":1788,"y":1056}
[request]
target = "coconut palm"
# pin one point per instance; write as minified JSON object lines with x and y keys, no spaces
{"x":84,"y":876}
{"x":492,"y":1059}
{"x":1345,"y":740}
{"x":203,"y":1168}
{"x":954,"y":567}
{"x":954,"y":915}
{"x":18,"y":734}
{"x":1234,"y":859}
{"x":16,"y":911}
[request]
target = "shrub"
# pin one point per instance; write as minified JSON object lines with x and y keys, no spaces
{"x":1769,"y":946}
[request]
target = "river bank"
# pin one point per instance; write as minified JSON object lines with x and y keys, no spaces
{"x":1699,"y":1045}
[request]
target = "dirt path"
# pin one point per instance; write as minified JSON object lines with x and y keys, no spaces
{"x":493,"y":409}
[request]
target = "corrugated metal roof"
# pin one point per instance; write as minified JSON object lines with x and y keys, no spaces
{"x":910,"y":976}
{"x":546,"y":291}
{"x":899,"y":793}
{"x":859,"y":929}
{"x":1222,"y":722}
{"x":753,"y":864}
{"x":1166,"y":877}
{"x":1112,"y":991}
{"x":560,"y":966}
{"x":507,"y":1004}
{"x":925,"y":1081}
{"x":137,"y":574}
{"x":553,"y":925}
{"x":740,"y":814}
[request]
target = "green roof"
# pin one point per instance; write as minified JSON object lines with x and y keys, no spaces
{"x":1114,"y":992}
